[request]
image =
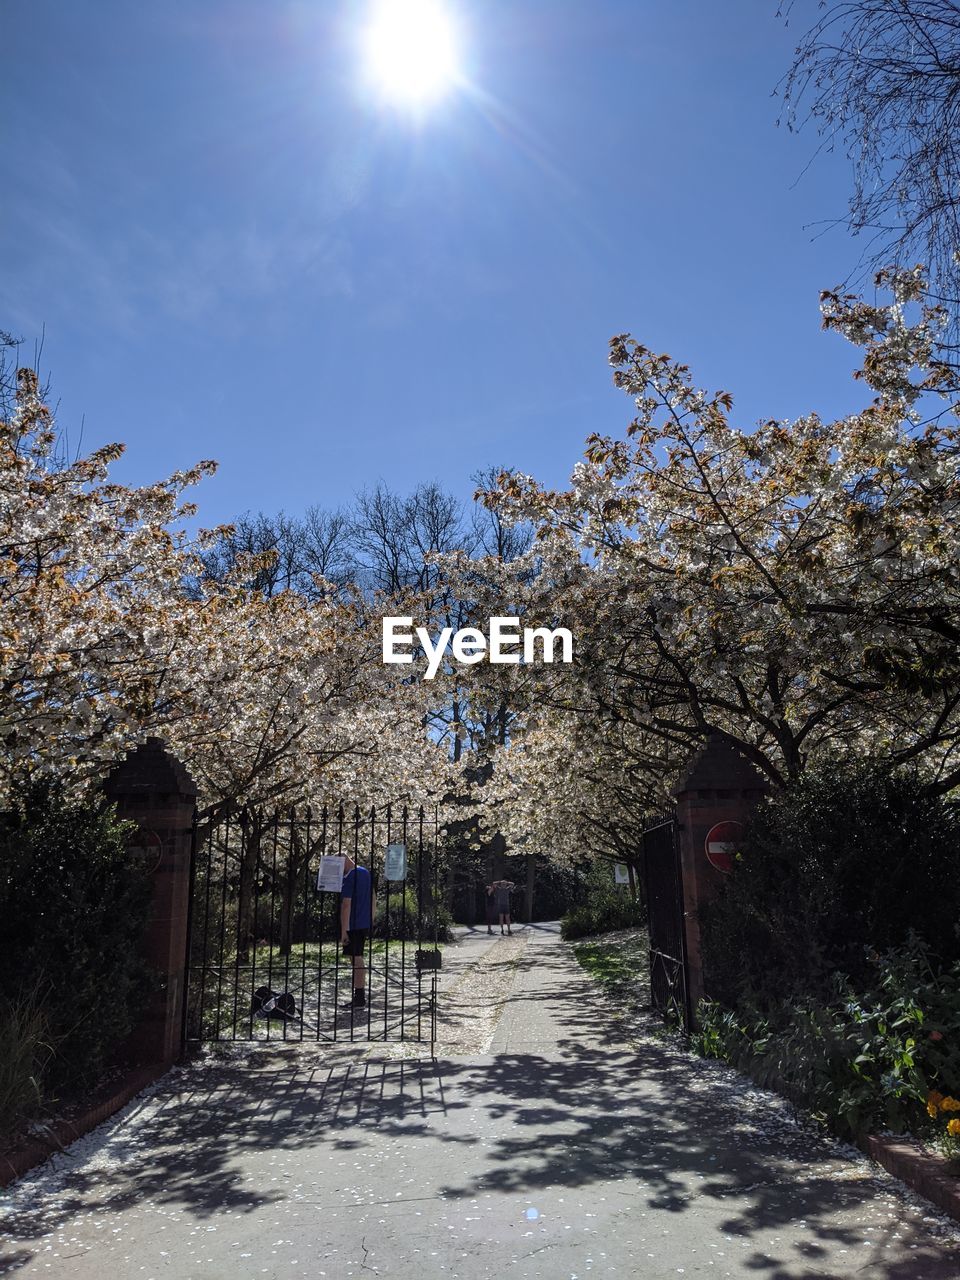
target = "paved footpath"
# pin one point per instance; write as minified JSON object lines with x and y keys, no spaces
{"x":558,"y":1151}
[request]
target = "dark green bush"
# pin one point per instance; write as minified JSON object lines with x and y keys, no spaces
{"x":860,"y":1057}
{"x":73,"y":909}
{"x":846,"y":863}
{"x":555,"y":888}
{"x":405,"y":919}
{"x":26,"y":1046}
{"x":602,"y":905}
{"x":832,"y":957}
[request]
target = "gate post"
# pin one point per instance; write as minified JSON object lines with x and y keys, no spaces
{"x":152,"y":788}
{"x":720,"y":785}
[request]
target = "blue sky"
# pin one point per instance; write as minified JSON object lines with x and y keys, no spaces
{"x":236,"y":253}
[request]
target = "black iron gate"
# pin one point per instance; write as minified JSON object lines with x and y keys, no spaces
{"x":264,"y":960}
{"x":668,"y":952}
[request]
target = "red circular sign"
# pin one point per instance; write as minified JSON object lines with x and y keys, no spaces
{"x":721,"y":844}
{"x":147,"y":848}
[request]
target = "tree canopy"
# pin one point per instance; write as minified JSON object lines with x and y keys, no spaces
{"x":792,"y":587}
{"x":881,"y":79}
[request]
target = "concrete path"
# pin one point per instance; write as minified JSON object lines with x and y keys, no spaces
{"x":560,"y":1151}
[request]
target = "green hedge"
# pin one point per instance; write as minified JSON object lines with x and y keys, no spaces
{"x":832,"y":954}
{"x":26,"y":1047}
{"x":602,"y":905}
{"x":848,"y":862}
{"x":74,"y":910}
{"x":404,"y":921}
{"x":864,"y":1057}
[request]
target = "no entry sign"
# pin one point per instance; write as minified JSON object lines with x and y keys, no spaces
{"x":721,"y":843}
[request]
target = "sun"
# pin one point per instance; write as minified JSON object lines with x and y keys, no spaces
{"x":410,"y":51}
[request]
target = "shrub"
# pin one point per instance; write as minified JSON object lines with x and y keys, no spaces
{"x":604,"y":905}
{"x":832,"y":956}
{"x":555,"y":887}
{"x":405,"y":919}
{"x":74,"y":910}
{"x":26,"y":1046}
{"x":845,"y":863}
{"x":859,"y":1058}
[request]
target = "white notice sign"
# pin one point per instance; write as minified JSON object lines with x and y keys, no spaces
{"x":396,"y":863}
{"x":330,"y":875}
{"x":620,"y":873}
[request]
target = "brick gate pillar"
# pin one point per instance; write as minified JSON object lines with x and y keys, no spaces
{"x":720,"y":785}
{"x":152,"y":788}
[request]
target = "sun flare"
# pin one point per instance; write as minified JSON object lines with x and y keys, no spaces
{"x":411,"y":50}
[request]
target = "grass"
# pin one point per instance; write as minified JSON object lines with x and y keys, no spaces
{"x":618,"y":962}
{"x":267,"y":958}
{"x":312,"y":952}
{"x":310,"y":972}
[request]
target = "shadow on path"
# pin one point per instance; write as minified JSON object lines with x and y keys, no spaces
{"x":672,"y":1136}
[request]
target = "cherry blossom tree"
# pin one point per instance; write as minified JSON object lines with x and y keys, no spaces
{"x":92,"y":606}
{"x":110,"y":629}
{"x":793,"y":588}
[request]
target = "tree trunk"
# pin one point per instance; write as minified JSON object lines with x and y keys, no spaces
{"x":249,"y":859}
{"x":288,"y":895}
{"x":450,"y":883}
{"x":296,"y":861}
{"x":488,"y":876}
{"x":531,"y":883}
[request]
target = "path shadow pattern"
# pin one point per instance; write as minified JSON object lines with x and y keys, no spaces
{"x":673,"y":1135}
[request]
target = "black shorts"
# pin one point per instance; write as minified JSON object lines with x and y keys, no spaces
{"x":356,"y":941}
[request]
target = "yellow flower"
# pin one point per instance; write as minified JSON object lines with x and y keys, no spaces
{"x":950,"y":1104}
{"x":953,"y":1127}
{"x":934,"y":1098}
{"x":932,"y":1109}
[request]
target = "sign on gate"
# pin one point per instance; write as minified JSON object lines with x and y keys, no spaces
{"x":721,"y":844}
{"x":263,"y":960}
{"x":330,"y":875}
{"x":396,"y":862}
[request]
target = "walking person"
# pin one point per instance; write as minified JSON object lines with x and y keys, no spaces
{"x":358,"y":907}
{"x":503,"y":888}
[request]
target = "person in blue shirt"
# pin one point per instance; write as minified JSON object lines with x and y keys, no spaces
{"x":358,"y":907}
